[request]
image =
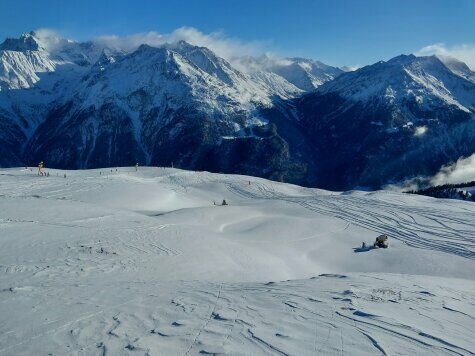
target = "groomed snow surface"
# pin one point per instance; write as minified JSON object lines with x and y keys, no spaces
{"x":142,"y":263}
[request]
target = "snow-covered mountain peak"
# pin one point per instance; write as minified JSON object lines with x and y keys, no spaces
{"x":21,"y":61}
{"x":401,"y":59}
{"x":301,"y":73}
{"x":311,"y":64}
{"x":28,"y":41}
{"x":306,"y":74}
{"x":24,"y":59}
{"x":426,"y":80}
{"x":184,"y":47}
{"x":458,"y":67}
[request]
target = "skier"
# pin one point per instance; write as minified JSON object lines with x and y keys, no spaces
{"x":224,"y":202}
{"x":136,"y":167}
{"x":40,"y":168}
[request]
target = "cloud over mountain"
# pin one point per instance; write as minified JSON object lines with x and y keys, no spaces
{"x":463,"y":52}
{"x":459,"y":172}
{"x":223,"y":45}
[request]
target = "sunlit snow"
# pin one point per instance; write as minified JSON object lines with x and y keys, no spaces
{"x":114,"y":262}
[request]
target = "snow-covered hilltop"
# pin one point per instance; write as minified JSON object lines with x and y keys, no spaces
{"x":114,"y":261}
{"x":85,"y":105}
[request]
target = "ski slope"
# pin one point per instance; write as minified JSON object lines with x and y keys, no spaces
{"x":121,"y":262}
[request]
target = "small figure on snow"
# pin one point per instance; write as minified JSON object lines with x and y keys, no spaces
{"x":136,"y":167}
{"x":381,"y":242}
{"x":40,"y":168}
{"x":224,"y":202}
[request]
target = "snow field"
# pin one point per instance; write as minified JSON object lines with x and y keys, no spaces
{"x":143,"y":263}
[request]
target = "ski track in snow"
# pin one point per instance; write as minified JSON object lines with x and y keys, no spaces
{"x":386,"y":217}
{"x":82,"y":272}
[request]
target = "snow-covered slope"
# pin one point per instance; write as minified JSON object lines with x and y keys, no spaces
{"x":124,"y":262}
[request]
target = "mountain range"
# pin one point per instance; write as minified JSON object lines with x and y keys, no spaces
{"x":84,"y":105}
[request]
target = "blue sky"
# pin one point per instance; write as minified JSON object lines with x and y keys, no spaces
{"x":338,"y":32}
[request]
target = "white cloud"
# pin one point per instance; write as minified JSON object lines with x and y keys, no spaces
{"x":462,"y":171}
{"x":218,"y":42}
{"x":350,"y":68}
{"x":245,"y":55}
{"x":459,"y":172}
{"x":463,"y":52}
{"x":49,"y":39}
{"x":266,"y":61}
{"x":420,"y":130}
